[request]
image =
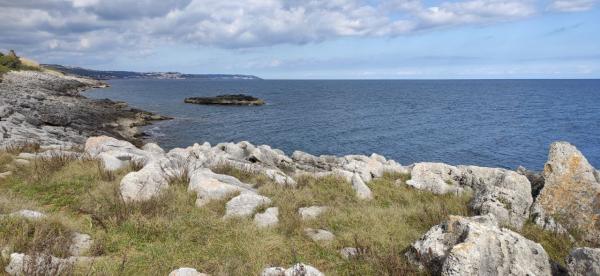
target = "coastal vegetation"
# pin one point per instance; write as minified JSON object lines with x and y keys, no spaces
{"x":157,"y":236}
{"x":10,"y":61}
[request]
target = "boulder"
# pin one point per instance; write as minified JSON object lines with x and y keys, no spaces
{"x":535,"y":178}
{"x":571,"y":193}
{"x":245,"y":204}
{"x":477,"y":246}
{"x":268,"y":218}
{"x":144,"y":184}
{"x":21,"y":264}
{"x":361,"y":189}
{"x":80,"y":244}
{"x":312,"y":212}
{"x":504,"y":193}
{"x":437,"y":178}
{"x":28,"y":214}
{"x":349,"y":252}
{"x":298,"y":269}
{"x":210,"y":186}
{"x":186,"y":271}
{"x":319,"y":235}
{"x":584,"y":261}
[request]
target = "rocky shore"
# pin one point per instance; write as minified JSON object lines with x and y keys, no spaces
{"x":489,"y":238}
{"x":48,"y":109}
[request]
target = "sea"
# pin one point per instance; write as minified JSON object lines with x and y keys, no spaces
{"x":494,"y":123}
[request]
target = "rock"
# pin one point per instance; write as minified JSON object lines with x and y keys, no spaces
{"x":319,"y":235}
{"x":102,"y":146}
{"x":362,"y":190}
{"x":22,"y":162}
{"x":349,"y":252}
{"x":239,"y":99}
{"x":210,"y":186}
{"x":504,"y":193}
{"x":21,"y":264}
{"x":477,"y":246}
{"x":111,"y":163}
{"x":298,"y":269}
{"x":571,"y":192}
{"x":584,"y":261}
{"x":144,"y":184}
{"x":28,"y":214}
{"x":80,"y":244}
{"x":186,"y":271}
{"x":153,"y":148}
{"x":5,"y":175}
{"x":268,"y":218}
{"x":273,"y":271}
{"x":437,"y":178}
{"x":27,"y":156}
{"x":244,"y":205}
{"x":312,"y":212}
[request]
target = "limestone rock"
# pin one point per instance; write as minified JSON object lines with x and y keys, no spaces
{"x":349,"y":252}
{"x":312,"y":212}
{"x":80,"y":244}
{"x":186,"y":271}
{"x":584,"y":261}
{"x":244,"y":205}
{"x":144,"y":184}
{"x":268,"y":218}
{"x":362,"y":190}
{"x":319,"y":235}
{"x":21,"y":264}
{"x":210,"y":186}
{"x":5,"y":175}
{"x":28,"y":214}
{"x":571,"y":191}
{"x":477,"y":246}
{"x":298,"y":269}
{"x":437,"y":178}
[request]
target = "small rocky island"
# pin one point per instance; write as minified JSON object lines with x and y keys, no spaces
{"x":239,"y":99}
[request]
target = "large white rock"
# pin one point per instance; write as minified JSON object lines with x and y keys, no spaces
{"x":103,"y":146}
{"x":437,"y":178}
{"x":584,"y":262}
{"x":210,"y":186}
{"x":504,"y":193}
{"x":477,"y":246}
{"x":245,"y":204}
{"x":361,"y":189}
{"x":268,"y":218}
{"x":186,"y":271}
{"x":571,"y":193}
{"x":144,"y":184}
{"x":312,"y":212}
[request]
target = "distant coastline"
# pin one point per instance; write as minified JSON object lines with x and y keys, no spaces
{"x":108,"y":75}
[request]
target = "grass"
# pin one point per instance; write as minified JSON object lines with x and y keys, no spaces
{"x":169,"y":232}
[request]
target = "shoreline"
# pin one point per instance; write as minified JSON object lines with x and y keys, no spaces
{"x":51,"y":109}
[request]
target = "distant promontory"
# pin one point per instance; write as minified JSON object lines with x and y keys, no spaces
{"x":107,"y":75}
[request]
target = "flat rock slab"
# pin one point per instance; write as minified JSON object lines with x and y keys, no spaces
{"x":319,"y":235}
{"x":268,"y":218}
{"x":244,"y":205}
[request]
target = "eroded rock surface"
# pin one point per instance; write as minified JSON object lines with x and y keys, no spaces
{"x":571,"y":193}
{"x":477,"y":246}
{"x":299,"y":269}
{"x":245,"y":204}
{"x":268,"y":218}
{"x":584,"y":262}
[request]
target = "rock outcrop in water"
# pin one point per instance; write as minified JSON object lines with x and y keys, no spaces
{"x":44,"y":108}
{"x":239,"y":99}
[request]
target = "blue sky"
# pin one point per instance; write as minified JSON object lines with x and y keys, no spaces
{"x":335,"y":39}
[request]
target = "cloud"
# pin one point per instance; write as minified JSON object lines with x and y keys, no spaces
{"x":572,"y":5}
{"x":115,"y":26}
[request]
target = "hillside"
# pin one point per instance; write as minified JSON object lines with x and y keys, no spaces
{"x":106,"y":75}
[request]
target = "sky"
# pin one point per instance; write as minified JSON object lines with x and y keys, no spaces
{"x":313,"y":39}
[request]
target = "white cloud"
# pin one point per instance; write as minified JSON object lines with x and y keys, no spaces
{"x":572,"y":5}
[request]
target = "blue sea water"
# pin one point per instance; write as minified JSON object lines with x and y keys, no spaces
{"x":498,"y":123}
